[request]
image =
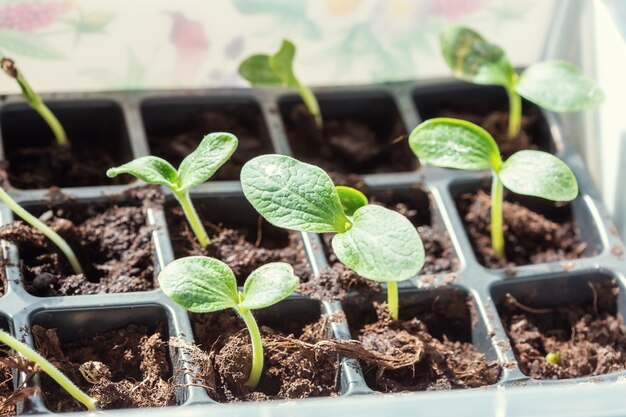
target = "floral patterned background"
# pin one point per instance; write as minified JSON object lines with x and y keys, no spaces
{"x":64,"y":45}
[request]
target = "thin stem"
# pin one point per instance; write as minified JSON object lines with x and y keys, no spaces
{"x":515,"y":112}
{"x":311,"y":103}
{"x":192,"y":217}
{"x":257,"y":348}
{"x":497,"y":233}
{"x":392,"y":299}
{"x":49,"y":369}
{"x":39,"y":225}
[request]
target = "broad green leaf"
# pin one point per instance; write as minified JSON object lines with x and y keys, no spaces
{"x":292,"y":194}
{"x":351,"y":199}
{"x":150,"y":169}
{"x":208,"y":157}
{"x":558,"y":86}
{"x":257,"y":71}
{"x":268,"y":285}
{"x":454,"y":143}
{"x":474,"y":59}
{"x":200,"y":284}
{"x":539,"y":174}
{"x":282,"y":63}
{"x":382,"y":245}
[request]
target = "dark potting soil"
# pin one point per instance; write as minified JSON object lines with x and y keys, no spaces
{"x":9,"y":397}
{"x":248,"y":127}
{"x":347,"y":145}
{"x":530,"y":237}
{"x":295,"y":367}
{"x":590,"y":339}
{"x":127,"y":368}
{"x":112,"y":241}
{"x":243,"y":245}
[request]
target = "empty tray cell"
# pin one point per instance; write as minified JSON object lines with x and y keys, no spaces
{"x":564,"y":326}
{"x":362,"y":133}
{"x":439,"y":342}
{"x":96,"y":130}
{"x":175,"y":127}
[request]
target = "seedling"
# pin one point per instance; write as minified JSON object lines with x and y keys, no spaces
{"x":554,"y":85}
{"x":49,"y":369}
{"x":277,"y":70}
{"x":453,"y":143}
{"x":203,"y":285}
{"x":554,"y":358}
{"x":377,"y":243}
{"x":34,"y":101}
{"x":214,"y":150}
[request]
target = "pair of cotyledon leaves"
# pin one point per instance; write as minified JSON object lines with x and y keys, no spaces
{"x":555,"y":85}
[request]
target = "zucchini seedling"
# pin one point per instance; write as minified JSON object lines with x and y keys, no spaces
{"x":49,"y":369}
{"x":554,"y":85}
{"x":213,"y":152}
{"x":34,"y":101}
{"x":453,"y":143}
{"x":203,"y":285}
{"x":377,"y":243}
{"x":277,"y":70}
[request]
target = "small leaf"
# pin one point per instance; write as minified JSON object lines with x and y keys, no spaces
{"x":539,"y":174}
{"x":257,"y":71}
{"x":150,"y":169}
{"x":200,"y":284}
{"x":351,"y":199}
{"x":282,"y":64}
{"x":268,"y":285}
{"x":453,"y":143}
{"x":292,"y":194}
{"x":24,"y":44}
{"x":208,"y":157}
{"x":382,"y":245}
{"x":474,"y":59}
{"x":558,"y":86}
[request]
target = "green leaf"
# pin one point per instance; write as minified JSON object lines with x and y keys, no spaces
{"x":292,"y":194}
{"x":351,"y":199}
{"x":558,"y":86}
{"x":454,"y":143}
{"x":208,"y":157}
{"x":150,"y":169}
{"x":268,"y":285}
{"x":382,"y":245}
{"x":539,"y":174}
{"x":282,"y":63}
{"x":257,"y":70}
{"x":28,"y":45}
{"x":200,"y":284}
{"x":474,"y":59}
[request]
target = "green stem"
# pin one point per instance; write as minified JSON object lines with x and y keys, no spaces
{"x":497,"y":232}
{"x":49,"y":369}
{"x":257,"y":348}
{"x":392,"y":299}
{"x":192,"y":217}
{"x":515,"y":112}
{"x":311,"y":103}
{"x":39,"y":225}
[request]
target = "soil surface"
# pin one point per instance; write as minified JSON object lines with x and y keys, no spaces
{"x":111,"y":240}
{"x":253,"y":140}
{"x":244,"y":246}
{"x":9,"y":398}
{"x":128,"y":368}
{"x":530,"y":238}
{"x":590,"y":339}
{"x":347,"y":145}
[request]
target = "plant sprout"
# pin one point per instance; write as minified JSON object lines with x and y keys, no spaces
{"x":202,"y":285}
{"x":554,"y":358}
{"x":214,"y":150}
{"x":34,"y":101}
{"x":453,"y":143}
{"x":554,"y":85}
{"x":377,"y":243}
{"x":277,"y":70}
{"x":49,"y":369}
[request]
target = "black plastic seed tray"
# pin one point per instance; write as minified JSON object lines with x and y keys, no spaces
{"x":132,"y":117}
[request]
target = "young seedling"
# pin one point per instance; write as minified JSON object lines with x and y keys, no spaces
{"x":202,"y":285}
{"x":554,"y":358}
{"x":277,"y":70}
{"x":554,"y":85}
{"x":214,"y":150}
{"x":453,"y":143}
{"x":377,"y":243}
{"x":34,"y":101}
{"x":49,"y":369}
